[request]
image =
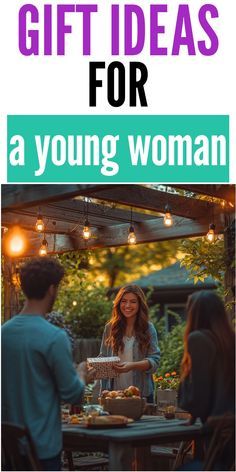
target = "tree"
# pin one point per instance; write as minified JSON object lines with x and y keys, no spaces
{"x":204,"y":259}
{"x":126,"y":263}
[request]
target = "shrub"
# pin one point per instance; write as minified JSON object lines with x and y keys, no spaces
{"x":171,"y":344}
{"x":87,"y":309}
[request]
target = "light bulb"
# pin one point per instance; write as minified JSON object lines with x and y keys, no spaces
{"x":168,"y":220}
{"x":86,"y":230}
{"x":15,"y":243}
{"x":43,"y":248}
{"x":211,"y":233}
{"x":39,"y":225}
{"x":131,"y":236}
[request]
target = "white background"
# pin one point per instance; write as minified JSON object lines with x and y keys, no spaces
{"x":176,"y":85}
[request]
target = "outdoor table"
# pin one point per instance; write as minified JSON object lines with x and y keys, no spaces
{"x":129,"y":448}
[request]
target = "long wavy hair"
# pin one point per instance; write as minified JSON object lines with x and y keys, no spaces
{"x":118,"y":321}
{"x":206,"y":311}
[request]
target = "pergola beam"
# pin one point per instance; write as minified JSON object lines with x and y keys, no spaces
{"x":140,"y":196}
{"x":224,"y":191}
{"x":25,"y":195}
{"x":137,"y":196}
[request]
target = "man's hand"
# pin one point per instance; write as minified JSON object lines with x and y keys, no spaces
{"x":85,"y":374}
{"x":123,"y":367}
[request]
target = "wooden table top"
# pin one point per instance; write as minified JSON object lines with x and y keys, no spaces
{"x":148,"y":429}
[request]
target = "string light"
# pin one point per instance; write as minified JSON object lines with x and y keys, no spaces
{"x":210,"y":236}
{"x":131,"y":234}
{"x":39,"y":225}
{"x":168,"y":220}
{"x":15,"y":242}
{"x":43,"y":250}
{"x":86,"y":230}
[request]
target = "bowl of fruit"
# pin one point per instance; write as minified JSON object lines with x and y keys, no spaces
{"x":125,"y":402}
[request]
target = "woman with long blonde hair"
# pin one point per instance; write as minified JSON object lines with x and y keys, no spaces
{"x":208,"y":364}
{"x":130,"y":335}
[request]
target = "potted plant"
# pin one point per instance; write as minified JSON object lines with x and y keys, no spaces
{"x":166,"y":388}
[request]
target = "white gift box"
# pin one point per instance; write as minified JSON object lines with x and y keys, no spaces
{"x":103,"y":366}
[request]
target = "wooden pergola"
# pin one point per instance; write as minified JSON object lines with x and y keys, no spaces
{"x":108,"y":208}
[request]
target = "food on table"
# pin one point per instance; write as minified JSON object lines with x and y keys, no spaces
{"x":106,"y":420}
{"x":130,"y":392}
{"x":112,"y":394}
{"x":75,"y":419}
{"x":104,"y":393}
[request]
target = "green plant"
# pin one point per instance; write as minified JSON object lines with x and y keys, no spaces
{"x":86,"y":307}
{"x":170,"y":344}
{"x":169,"y":381}
{"x":204,"y":259}
{"x":171,"y":347}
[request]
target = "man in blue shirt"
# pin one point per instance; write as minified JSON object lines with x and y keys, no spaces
{"x":37,"y":366}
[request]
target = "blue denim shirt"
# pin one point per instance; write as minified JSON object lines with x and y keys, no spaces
{"x":142,"y":380}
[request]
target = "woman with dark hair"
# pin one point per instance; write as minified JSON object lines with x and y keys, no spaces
{"x":133,"y":338}
{"x":208,"y":367}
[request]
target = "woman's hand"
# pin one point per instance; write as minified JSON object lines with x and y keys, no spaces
{"x":124,"y":367}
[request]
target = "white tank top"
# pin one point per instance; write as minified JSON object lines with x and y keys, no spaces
{"x":126,"y":379}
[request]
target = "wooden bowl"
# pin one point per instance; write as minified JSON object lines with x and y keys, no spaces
{"x":130,"y":407}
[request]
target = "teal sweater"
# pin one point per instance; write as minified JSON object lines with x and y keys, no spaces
{"x":37,"y":373}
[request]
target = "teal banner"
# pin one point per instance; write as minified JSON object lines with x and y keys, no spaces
{"x":103,"y":148}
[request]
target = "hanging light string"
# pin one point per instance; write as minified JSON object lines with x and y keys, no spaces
{"x":86,"y":233}
{"x":86,"y":229}
{"x":39,"y":225}
{"x":43,"y":250}
{"x":131,"y":234}
{"x":168,"y":220}
{"x":211,"y":236}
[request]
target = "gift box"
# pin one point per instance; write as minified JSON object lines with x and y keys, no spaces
{"x":103,"y":366}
